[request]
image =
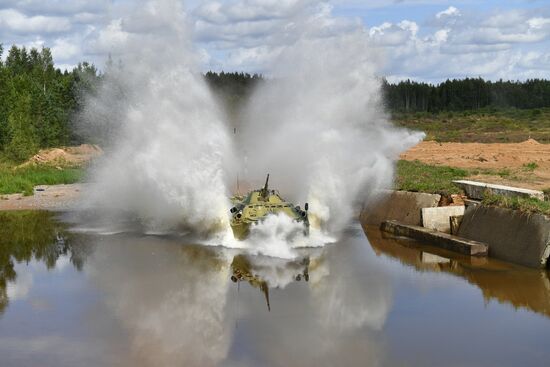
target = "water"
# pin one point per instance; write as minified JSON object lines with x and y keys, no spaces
{"x":91,"y":298}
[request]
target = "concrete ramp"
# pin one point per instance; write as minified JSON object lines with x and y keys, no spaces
{"x":476,"y":190}
{"x":438,"y":239}
{"x":521,"y":238}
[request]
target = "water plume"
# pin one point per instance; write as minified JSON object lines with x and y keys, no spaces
{"x":319,"y":127}
{"x":168,"y":143}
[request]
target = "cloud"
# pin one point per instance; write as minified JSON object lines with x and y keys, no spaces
{"x":389,"y":34}
{"x":249,"y":10}
{"x":245,"y":35}
{"x":13,"y":20}
{"x":65,"y":49}
{"x":426,"y":50}
{"x":456,"y":43}
{"x":451,"y":11}
{"x":56,"y":7}
{"x":504,"y":28}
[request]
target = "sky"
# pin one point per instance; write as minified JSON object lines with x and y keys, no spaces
{"x":425,"y":40}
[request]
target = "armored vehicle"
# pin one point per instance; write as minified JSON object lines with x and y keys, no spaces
{"x":255,"y":206}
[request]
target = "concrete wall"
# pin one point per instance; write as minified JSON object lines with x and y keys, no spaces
{"x":521,"y":238}
{"x":402,"y":206}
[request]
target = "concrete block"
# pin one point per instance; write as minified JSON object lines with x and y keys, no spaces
{"x":518,"y":237}
{"x":438,"y":239}
{"x":403,"y":206}
{"x":476,"y":190}
{"x":439,"y":218}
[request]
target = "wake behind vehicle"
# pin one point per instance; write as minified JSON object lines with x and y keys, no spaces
{"x":257,"y":205}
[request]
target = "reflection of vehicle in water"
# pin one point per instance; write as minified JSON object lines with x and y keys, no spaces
{"x":243,"y":269}
{"x":257,"y":205}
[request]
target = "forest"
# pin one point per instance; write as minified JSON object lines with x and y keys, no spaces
{"x":466,"y":94}
{"x":39,"y":102}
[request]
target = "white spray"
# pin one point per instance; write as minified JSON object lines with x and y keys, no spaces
{"x":166,"y":163}
{"x":317,"y":126}
{"x":320,"y":130}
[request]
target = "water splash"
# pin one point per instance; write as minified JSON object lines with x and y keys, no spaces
{"x":166,"y":165}
{"x":318,"y":126}
{"x":320,"y":129}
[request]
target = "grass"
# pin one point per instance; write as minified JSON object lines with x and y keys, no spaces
{"x":531,"y":166}
{"x":484,"y":126}
{"x":529,"y":205}
{"x":22,"y":180}
{"x":417,"y":176}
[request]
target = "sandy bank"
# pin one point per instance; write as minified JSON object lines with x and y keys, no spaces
{"x":54,"y":197}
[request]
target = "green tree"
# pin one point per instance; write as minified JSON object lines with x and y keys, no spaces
{"x":24,"y":141}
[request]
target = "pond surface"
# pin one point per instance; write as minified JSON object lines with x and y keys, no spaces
{"x":126,"y":299}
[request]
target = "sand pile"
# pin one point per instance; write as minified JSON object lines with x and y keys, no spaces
{"x":66,"y":156}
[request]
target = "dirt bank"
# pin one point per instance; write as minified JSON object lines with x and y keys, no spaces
{"x":525,"y":164}
{"x":54,"y":197}
{"x":66,"y":156}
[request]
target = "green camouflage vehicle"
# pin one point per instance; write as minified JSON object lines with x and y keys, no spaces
{"x":257,"y":205}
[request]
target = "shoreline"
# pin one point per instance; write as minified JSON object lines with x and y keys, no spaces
{"x":45,"y":197}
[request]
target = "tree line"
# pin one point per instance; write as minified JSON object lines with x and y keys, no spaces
{"x":466,"y":94}
{"x":39,"y":102}
{"x":232,"y":89}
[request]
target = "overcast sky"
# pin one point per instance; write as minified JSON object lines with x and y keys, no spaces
{"x":421,"y":39}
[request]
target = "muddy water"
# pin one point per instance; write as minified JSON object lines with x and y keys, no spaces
{"x":92,"y":298}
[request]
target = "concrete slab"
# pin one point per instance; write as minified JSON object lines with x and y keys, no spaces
{"x":518,"y":237}
{"x":438,"y":239}
{"x":403,"y":206}
{"x":476,"y":190}
{"x":440,"y":218}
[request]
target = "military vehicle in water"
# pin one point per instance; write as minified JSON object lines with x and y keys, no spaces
{"x":255,"y":206}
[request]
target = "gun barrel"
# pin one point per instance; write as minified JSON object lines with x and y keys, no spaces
{"x":266,"y":183}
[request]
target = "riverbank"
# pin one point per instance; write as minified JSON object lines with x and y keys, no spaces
{"x":45,"y":197}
